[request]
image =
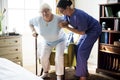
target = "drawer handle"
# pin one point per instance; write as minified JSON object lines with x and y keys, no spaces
{"x":16,"y":49}
{"x":104,"y":48}
{"x":17,"y":57}
{"x":16,"y":41}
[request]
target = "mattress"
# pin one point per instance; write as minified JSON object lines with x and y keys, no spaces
{"x":13,"y":71}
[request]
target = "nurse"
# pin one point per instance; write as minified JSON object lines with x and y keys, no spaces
{"x":87,"y":27}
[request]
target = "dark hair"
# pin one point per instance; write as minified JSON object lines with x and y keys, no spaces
{"x":64,"y":3}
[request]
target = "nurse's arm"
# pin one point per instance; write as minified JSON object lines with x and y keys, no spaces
{"x":75,"y":30}
{"x":63,"y":24}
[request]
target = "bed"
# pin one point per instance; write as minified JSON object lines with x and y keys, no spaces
{"x":12,"y":71}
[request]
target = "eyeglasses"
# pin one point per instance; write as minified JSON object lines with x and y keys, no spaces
{"x":61,"y":10}
{"x":45,"y":10}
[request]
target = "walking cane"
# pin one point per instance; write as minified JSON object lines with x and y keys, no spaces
{"x":36,"y":56}
{"x":36,"y":53}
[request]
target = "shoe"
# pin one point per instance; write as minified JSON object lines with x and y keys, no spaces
{"x":59,"y":77}
{"x":44,"y":75}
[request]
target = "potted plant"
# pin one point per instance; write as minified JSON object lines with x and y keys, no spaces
{"x":1,"y":18}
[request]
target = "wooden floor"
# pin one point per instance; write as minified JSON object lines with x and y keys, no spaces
{"x":69,"y":73}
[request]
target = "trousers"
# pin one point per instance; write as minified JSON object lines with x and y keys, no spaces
{"x":84,"y":48}
{"x":44,"y":52}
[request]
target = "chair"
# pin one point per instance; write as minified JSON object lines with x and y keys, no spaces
{"x":69,"y":56}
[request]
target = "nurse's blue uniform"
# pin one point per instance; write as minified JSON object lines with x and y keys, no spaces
{"x":84,"y":22}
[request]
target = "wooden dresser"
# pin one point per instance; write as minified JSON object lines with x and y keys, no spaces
{"x":11,"y":48}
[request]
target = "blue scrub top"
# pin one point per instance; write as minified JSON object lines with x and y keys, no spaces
{"x":81,"y":21}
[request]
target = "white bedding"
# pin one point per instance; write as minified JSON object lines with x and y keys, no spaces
{"x":12,"y":71}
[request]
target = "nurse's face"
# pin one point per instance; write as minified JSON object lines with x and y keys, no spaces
{"x":64,"y":11}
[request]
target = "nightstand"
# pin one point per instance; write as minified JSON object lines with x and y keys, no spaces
{"x":11,"y":48}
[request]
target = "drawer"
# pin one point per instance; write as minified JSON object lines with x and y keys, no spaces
{"x":13,"y":57}
{"x":112,"y":49}
{"x":10,"y":41}
{"x":10,"y":50}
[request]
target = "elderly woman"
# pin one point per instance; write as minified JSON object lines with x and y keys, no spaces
{"x":53,"y":37}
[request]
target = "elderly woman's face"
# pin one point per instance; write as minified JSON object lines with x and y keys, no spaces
{"x":46,"y":13}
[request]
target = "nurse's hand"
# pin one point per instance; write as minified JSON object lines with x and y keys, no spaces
{"x":63,"y":24}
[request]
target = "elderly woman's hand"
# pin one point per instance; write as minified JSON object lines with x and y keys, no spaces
{"x":34,"y":34}
{"x":63,"y":24}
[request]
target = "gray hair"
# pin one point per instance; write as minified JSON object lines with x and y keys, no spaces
{"x":45,"y":6}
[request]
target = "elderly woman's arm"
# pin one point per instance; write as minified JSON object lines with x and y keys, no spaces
{"x":34,"y":33}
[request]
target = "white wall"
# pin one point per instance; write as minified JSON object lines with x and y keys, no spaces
{"x":92,"y":8}
{"x":0,"y":5}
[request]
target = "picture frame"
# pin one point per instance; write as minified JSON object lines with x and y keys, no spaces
{"x":113,"y":1}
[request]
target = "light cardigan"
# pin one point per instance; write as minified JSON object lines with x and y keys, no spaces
{"x":50,"y":31}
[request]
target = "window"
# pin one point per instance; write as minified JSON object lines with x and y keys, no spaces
{"x":21,"y":11}
{"x":19,"y":14}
